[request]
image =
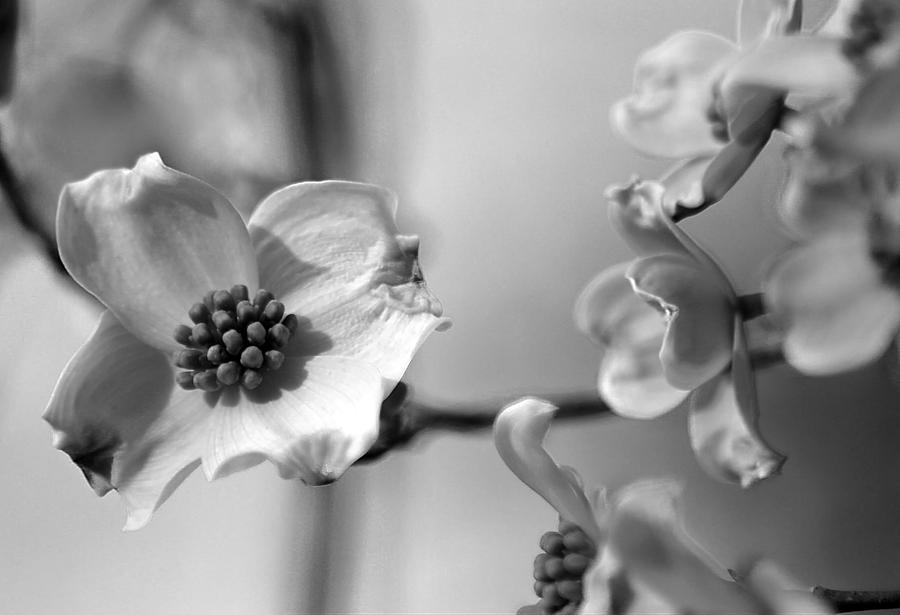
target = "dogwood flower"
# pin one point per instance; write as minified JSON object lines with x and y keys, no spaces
{"x":627,"y":553}
{"x":294,"y":374}
{"x":686,"y":107}
{"x":669,"y":329}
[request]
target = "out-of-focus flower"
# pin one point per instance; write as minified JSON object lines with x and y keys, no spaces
{"x":836,"y":294}
{"x":298,"y":380}
{"x":683,"y":107}
{"x":212,"y":85}
{"x":628,"y":553}
{"x":669,"y":328}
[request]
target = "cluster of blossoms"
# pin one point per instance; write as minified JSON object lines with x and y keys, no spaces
{"x":313,"y":308}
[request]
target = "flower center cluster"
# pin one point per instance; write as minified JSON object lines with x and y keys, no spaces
{"x":233,"y":339}
{"x":559,"y":570}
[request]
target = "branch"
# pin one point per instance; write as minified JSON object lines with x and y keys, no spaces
{"x":24,"y":213}
{"x":845,"y":601}
{"x":403,"y":419}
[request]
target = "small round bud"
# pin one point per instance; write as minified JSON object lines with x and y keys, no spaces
{"x":233,"y":341}
{"x":240,"y":292}
{"x":278,"y":335}
{"x":251,"y":379}
{"x":208,"y":301}
{"x":569,"y":609}
{"x":228,"y":373}
{"x":579,"y":542}
{"x":246,"y":313}
{"x":576,"y":563}
{"x":262,"y":298}
{"x":256,"y":333}
{"x":555,"y":569}
{"x":540,"y":567}
{"x":206,"y":380}
{"x":223,"y":320}
{"x":291,"y":322}
{"x":252,"y":357}
{"x":188,"y":358}
{"x":273,"y":359}
{"x":223,"y":300}
{"x":183,"y":335}
{"x":567,"y":526}
{"x":552,"y":542}
{"x":202,"y":334}
{"x":185,"y":380}
{"x":198,"y":313}
{"x":570,"y":590}
{"x":550,"y":596}
{"x":216,"y":354}
{"x":539,"y":588}
{"x":274,"y":310}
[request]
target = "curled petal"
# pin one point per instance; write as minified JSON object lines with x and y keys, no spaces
{"x":312,"y":418}
{"x":519,"y":433}
{"x":723,"y":423}
{"x":117,"y":413}
{"x":833,"y":301}
{"x":331,"y":251}
{"x":799,"y":64}
{"x":758,"y":19}
{"x":683,"y":184}
{"x":149,"y":242}
{"x":648,"y":536}
{"x":636,"y":212}
{"x":631,"y":378}
{"x":729,"y":165}
{"x":673,"y":82}
{"x":698,"y":340}
{"x":725,"y":442}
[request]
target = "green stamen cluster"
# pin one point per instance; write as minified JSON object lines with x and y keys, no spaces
{"x":559,"y":570}
{"x":233,"y":339}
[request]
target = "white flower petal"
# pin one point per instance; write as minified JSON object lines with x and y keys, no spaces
{"x":519,"y":432}
{"x":758,"y":19}
{"x":312,"y":418}
{"x":683,"y":184}
{"x":609,"y":589}
{"x":673,"y":82}
{"x":832,"y":299}
{"x":698,"y":340}
{"x":330,"y":251}
{"x":827,"y":194}
{"x":799,"y":64}
{"x":636,"y":212}
{"x":724,"y":441}
{"x":784,"y":594}
{"x":630,"y":332}
{"x":631,"y":380}
{"x":728,"y":166}
{"x":117,"y":412}
{"x":647,"y":535}
{"x":149,"y":243}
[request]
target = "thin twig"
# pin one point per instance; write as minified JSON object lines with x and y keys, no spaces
{"x":403,"y":419}
{"x":845,"y":601}
{"x":24,"y":213}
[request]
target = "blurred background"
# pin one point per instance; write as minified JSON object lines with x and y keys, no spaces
{"x":489,"y":119}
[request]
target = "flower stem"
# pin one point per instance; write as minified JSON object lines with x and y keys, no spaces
{"x":402,"y":418}
{"x":751,"y":306}
{"x":24,"y":213}
{"x":845,"y":601}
